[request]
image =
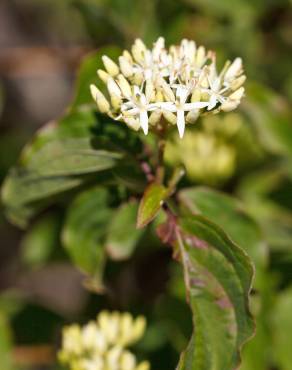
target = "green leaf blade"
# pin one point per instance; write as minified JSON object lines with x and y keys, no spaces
{"x":24,"y":193}
{"x":218,"y":277}
{"x":228,"y":213}
{"x":151,"y":202}
{"x":73,"y":156}
{"x":122,"y":234}
{"x":84,"y":230}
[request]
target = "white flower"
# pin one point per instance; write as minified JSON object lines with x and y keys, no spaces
{"x":127,"y":361}
{"x":101,"y":344}
{"x":93,"y":338}
{"x":137,"y":108}
{"x":175,"y":85}
{"x":180,"y":106}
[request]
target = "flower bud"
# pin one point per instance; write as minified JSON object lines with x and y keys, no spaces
{"x":126,"y":67}
{"x":102,"y":103}
{"x":113,"y":356}
{"x":234,"y":70}
{"x":196,"y":95}
{"x":113,"y":88}
{"x":200,"y":56}
{"x":127,"y":56}
{"x":124,"y":86}
{"x":192,"y":116}
{"x":238,"y":94}
{"x":167,"y":91}
{"x":139,"y":327}
{"x":229,"y":105}
{"x":158,"y":46}
{"x":104,"y":76}
{"x":159,"y":96}
{"x":237,"y":83}
{"x":155,"y":117}
{"x":143,"y":366}
{"x":110,"y":66}
{"x":169,"y":116}
{"x":138,"y":50}
{"x":132,"y":123}
{"x":127,"y":361}
{"x":138,"y":78}
{"x":149,"y":91}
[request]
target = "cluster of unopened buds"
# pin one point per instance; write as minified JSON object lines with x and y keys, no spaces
{"x":101,"y":344}
{"x":174,"y":85}
{"x":215,"y":159}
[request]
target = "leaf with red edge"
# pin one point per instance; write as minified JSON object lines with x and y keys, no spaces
{"x":218,"y":276}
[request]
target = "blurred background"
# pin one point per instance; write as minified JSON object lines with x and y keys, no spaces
{"x":42,"y":43}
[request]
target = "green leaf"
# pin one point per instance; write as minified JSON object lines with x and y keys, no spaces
{"x":282,"y":330}
{"x":84,"y":232}
{"x":218,"y":276}
{"x":40,"y":241}
{"x":24,"y":193}
{"x":123,"y":235}
{"x":271,"y":116}
{"x":130,"y":175}
{"x":79,"y":124}
{"x":50,"y":164}
{"x":228,"y":213}
{"x":73,"y":157}
{"x":267,"y":194}
{"x":24,"y":187}
{"x":151,"y":203}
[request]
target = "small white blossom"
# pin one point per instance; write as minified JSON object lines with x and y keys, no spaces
{"x":101,"y":344}
{"x":175,"y":85}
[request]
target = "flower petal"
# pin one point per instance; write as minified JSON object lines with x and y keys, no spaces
{"x":144,"y":121}
{"x":212,"y":102}
{"x":180,"y":122}
{"x":195,"y":105}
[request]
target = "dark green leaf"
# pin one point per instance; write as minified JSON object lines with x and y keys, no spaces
{"x":228,"y":213}
{"x":123,"y":234}
{"x":272,"y":118}
{"x":24,"y":193}
{"x":267,"y":194}
{"x":48,"y":163}
{"x":73,"y":157}
{"x":84,"y":231}
{"x":40,"y":241}
{"x":282,"y":330}
{"x":79,"y":124}
{"x":151,"y":203}
{"x":218,"y":276}
{"x":130,"y":175}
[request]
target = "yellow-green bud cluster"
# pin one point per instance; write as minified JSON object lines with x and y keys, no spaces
{"x":102,"y":344}
{"x":209,"y":155}
{"x":176,"y":84}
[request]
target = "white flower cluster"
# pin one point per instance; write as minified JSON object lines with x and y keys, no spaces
{"x":176,"y":84}
{"x":101,"y":344}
